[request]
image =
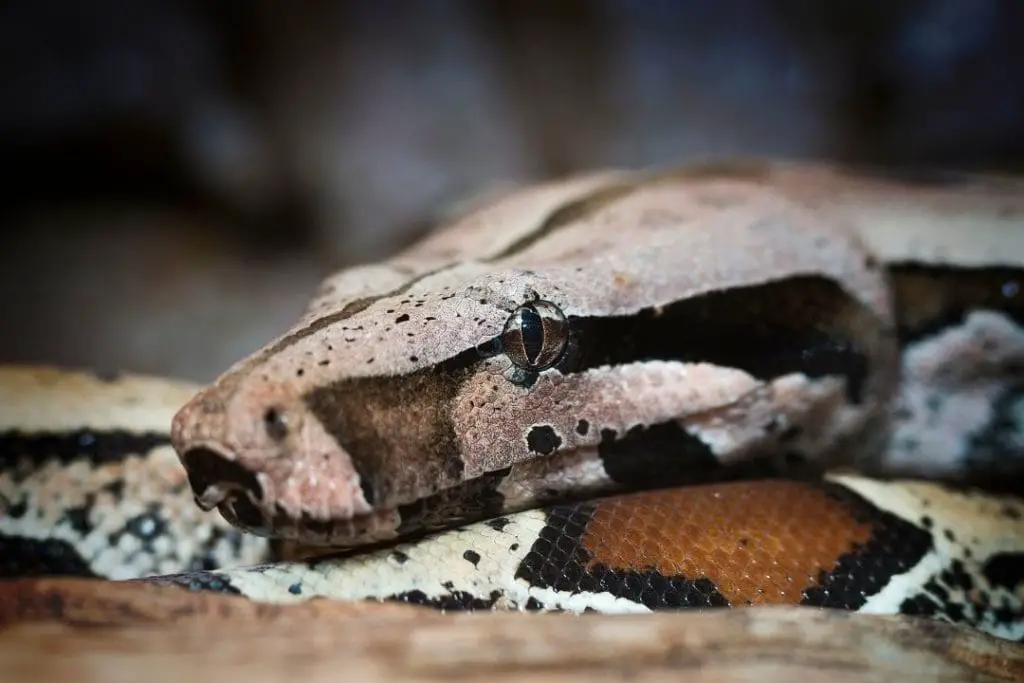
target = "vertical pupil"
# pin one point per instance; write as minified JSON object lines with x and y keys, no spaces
{"x":533,"y":334}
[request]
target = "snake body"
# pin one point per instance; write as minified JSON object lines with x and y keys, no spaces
{"x":847,"y":542}
{"x":725,"y":385}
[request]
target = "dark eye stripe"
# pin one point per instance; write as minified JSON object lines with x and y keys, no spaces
{"x":805,"y":324}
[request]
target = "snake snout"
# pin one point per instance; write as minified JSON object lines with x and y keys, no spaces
{"x":215,"y":478}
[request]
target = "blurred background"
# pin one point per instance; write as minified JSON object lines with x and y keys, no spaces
{"x":183,"y":173}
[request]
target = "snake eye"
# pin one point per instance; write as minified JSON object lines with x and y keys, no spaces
{"x":535,"y":335}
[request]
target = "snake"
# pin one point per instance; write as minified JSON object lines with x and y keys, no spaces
{"x":736,"y":383}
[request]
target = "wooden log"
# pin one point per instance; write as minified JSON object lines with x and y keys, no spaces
{"x":79,"y":631}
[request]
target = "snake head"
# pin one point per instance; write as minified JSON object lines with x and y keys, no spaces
{"x":573,"y":341}
{"x":322,"y":436}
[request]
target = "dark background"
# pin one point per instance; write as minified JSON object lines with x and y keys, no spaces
{"x":180,"y":174}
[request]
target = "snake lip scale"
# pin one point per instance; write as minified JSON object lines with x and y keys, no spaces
{"x":729,"y":384}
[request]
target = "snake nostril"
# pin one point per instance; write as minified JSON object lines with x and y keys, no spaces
{"x":214,"y":477}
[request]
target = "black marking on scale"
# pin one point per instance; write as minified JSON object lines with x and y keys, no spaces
{"x":559,"y":560}
{"x":1005,"y":570}
{"x":994,"y":460}
{"x":95,"y":446}
{"x":201,"y":581}
{"x":543,"y":439}
{"x":894,"y":547}
{"x":22,"y":557}
{"x":455,"y":600}
{"x":665,"y":454}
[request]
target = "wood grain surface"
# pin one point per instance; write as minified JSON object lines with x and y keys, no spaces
{"x":112,"y":634}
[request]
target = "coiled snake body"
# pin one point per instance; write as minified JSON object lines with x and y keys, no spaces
{"x":729,"y":384}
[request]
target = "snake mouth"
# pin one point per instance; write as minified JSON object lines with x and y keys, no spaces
{"x":217,"y":481}
{"x":242,"y":512}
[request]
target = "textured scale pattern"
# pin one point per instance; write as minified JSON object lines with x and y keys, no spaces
{"x":769,"y":542}
{"x":739,"y":544}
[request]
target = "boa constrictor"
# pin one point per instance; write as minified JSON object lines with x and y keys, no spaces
{"x":728,"y":384}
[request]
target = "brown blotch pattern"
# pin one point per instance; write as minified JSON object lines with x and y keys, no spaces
{"x":383,"y":423}
{"x":758,"y":543}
